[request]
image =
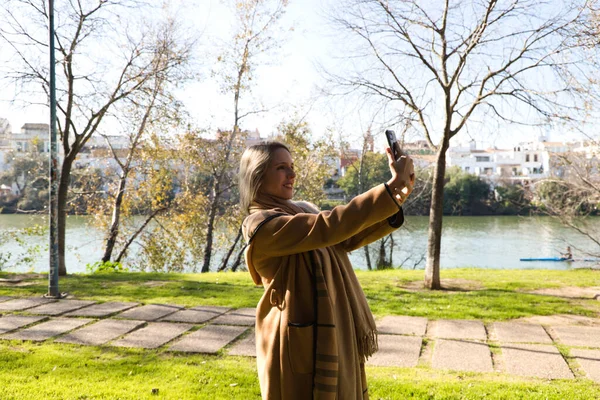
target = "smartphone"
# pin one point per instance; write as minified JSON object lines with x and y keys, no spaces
{"x":393,"y":143}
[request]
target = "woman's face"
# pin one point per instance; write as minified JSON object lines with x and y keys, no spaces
{"x":279,"y":177}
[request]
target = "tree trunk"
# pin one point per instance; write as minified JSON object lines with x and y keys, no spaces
{"x":63,"y":189}
{"x":135,"y":235}
{"x":391,"y":250}
{"x":238,"y":259}
{"x":231,"y":249}
{"x":381,"y":261}
{"x":432,"y":267}
{"x":114,"y":226}
{"x":211,"y":222}
{"x":368,"y":257}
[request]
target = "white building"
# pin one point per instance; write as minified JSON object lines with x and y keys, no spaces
{"x":525,"y":162}
{"x":32,"y":138}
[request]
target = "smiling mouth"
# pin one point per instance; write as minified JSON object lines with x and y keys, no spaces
{"x":288,"y":185}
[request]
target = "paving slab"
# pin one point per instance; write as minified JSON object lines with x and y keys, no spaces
{"x":462,"y":355}
{"x":209,"y":339}
{"x":397,"y":351}
{"x":154,"y":335}
{"x":102,"y":309}
{"x":11,"y":322}
{"x":101,"y":332}
{"x":150,"y":312}
{"x":458,"y":329}
{"x":241,"y":316}
{"x":245,"y":347}
{"x":24,"y":304}
{"x":514,"y":332}
{"x":4,"y":298}
{"x":585,"y":336}
{"x":535,"y":360}
{"x":214,"y":309}
{"x":47,"y":330}
{"x":191,"y":316}
{"x":589,"y":361}
{"x":402,"y":325}
{"x":60,"y":307}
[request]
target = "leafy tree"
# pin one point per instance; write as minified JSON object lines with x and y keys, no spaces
{"x":511,"y":200}
{"x":253,"y":36}
{"x":375,"y":170}
{"x":372,"y":170}
{"x":312,"y":159}
{"x":29,"y":172}
{"x":465,"y":193}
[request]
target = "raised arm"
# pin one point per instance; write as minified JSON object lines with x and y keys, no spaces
{"x":374,"y":232}
{"x":289,"y":234}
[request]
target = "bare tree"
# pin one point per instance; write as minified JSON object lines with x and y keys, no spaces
{"x":445,"y":65}
{"x":573,"y":193}
{"x":256,"y":21}
{"x":105,"y":55}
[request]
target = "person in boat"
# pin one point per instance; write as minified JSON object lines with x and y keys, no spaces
{"x":567,"y":254}
{"x":314,"y":329}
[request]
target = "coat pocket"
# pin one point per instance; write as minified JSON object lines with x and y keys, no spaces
{"x":300,"y":347}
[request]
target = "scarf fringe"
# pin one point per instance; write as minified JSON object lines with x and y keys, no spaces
{"x":368,"y":345}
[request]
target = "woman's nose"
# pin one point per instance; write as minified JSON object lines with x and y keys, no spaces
{"x":291,"y":173}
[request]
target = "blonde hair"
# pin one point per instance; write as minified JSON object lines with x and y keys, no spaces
{"x":253,"y":165}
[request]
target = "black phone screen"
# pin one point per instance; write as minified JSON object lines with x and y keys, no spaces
{"x":391,"y":139}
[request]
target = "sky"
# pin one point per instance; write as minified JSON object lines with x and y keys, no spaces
{"x":290,"y":81}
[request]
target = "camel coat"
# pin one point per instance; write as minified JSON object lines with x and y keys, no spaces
{"x":283,"y":254}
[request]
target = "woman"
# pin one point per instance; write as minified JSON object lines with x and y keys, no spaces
{"x":314,"y":329}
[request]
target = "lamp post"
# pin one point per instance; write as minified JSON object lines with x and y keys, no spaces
{"x":53,"y":291}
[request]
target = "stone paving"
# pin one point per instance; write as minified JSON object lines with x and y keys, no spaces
{"x":521,"y":349}
{"x":102,"y":309}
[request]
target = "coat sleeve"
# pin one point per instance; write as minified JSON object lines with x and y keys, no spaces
{"x":374,"y":232}
{"x":291,"y":234}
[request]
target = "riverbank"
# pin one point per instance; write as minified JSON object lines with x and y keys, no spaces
{"x":500,"y":243}
{"x":56,"y":370}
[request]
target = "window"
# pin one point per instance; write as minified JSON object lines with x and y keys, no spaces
{"x":467,"y":169}
{"x":535,"y":157}
{"x":482,"y":158}
{"x":526,"y":157}
{"x":488,"y":171}
{"x":22,"y":146}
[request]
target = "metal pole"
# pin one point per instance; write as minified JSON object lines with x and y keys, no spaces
{"x":53,"y":274}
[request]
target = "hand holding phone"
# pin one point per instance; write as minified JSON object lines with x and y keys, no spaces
{"x":393,"y":144}
{"x":404,"y":164}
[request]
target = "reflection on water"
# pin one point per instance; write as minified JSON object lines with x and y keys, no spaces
{"x":484,"y":242}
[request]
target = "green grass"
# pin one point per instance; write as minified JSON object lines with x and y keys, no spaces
{"x":496,"y":295}
{"x":61,"y":371}
{"x":424,"y":383}
{"x":55,"y":371}
{"x":229,"y":289}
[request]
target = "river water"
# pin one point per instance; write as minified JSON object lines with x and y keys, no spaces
{"x":484,"y":242}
